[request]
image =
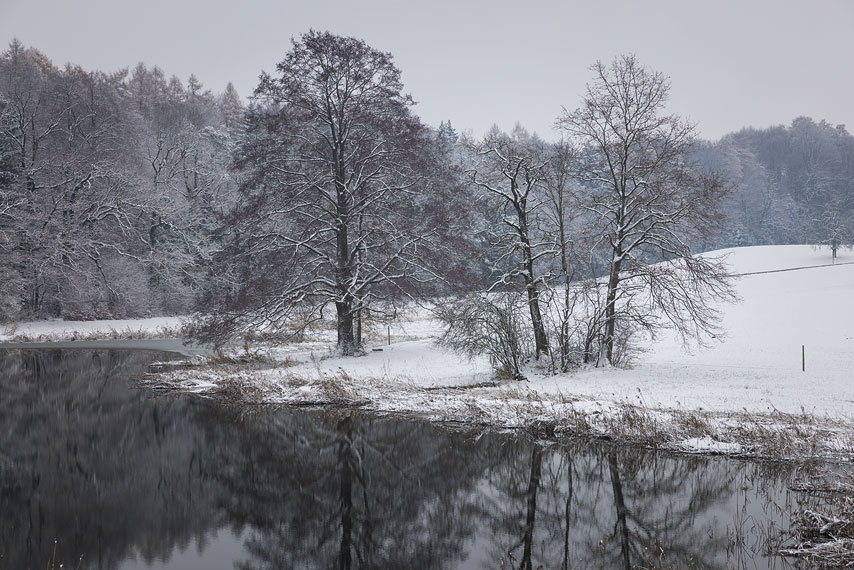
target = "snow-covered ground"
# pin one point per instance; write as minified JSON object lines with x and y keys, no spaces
{"x":756,"y":367}
{"x":745,"y":393}
{"x":57,"y":330}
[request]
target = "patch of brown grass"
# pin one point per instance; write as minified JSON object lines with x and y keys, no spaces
{"x":691,"y":424}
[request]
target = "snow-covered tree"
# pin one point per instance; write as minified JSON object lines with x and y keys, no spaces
{"x":447,"y":136}
{"x":231,"y":107}
{"x":509,"y":170}
{"x":338,"y":208}
{"x":108,"y":188}
{"x":646,"y":202}
{"x":791,"y":184}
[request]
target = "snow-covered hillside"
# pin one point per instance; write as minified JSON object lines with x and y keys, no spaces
{"x":758,"y":365}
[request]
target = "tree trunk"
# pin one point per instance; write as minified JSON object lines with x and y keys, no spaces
{"x":541,"y":341}
{"x":611,"y":310}
{"x":568,"y":513}
{"x":531,"y":515}
{"x":622,"y":526}
{"x":346,"y":331}
{"x":567,"y":284}
{"x":358,"y":326}
{"x":346,"y":462}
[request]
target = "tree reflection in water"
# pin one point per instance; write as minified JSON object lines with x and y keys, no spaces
{"x":105,"y":470}
{"x":336,"y":491}
{"x":598,"y":506}
{"x":115,"y":474}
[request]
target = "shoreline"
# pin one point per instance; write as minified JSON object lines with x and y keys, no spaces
{"x":480,"y":403}
{"x":516,"y":408}
{"x":511,"y":406}
{"x":176,"y":345}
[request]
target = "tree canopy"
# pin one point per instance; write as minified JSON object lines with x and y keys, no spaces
{"x":341,"y":197}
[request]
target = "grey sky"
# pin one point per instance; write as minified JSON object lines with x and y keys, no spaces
{"x":732,"y":63}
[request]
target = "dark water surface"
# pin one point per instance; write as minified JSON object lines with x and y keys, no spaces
{"x":92,"y":466}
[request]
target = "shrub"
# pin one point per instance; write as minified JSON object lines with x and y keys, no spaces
{"x":491,"y":325}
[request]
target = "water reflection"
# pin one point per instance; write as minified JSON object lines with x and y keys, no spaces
{"x":104,"y":469}
{"x":119,"y":476}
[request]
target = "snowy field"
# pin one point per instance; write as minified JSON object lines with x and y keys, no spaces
{"x":757,"y":367}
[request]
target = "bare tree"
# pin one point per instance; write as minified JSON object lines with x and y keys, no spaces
{"x":561,"y":215}
{"x":647,"y":203}
{"x":510,"y":171}
{"x":335,"y":198}
{"x":491,"y":325}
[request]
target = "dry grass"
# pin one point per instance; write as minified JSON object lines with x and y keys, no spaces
{"x":126,"y":333}
{"x":826,"y":537}
{"x":577,"y":423}
{"x":241,"y":389}
{"x":691,"y":424}
{"x":256,"y":359}
{"x":637,"y":425}
{"x":788,"y":436}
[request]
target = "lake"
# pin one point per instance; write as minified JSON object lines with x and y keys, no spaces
{"x":93,"y":466}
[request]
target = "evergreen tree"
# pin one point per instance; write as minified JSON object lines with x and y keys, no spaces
{"x":231,"y":107}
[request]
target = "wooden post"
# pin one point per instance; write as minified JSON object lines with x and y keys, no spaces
{"x":803,"y":359}
{"x":389,"y":335}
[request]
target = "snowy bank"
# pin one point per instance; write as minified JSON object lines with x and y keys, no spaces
{"x":694,"y":401}
{"x":58,"y":330}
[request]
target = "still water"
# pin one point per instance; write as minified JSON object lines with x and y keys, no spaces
{"x":92,"y":466}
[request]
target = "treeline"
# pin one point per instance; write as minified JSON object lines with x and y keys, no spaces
{"x":132,"y":193}
{"x":791,"y":184}
{"x":110,"y":185}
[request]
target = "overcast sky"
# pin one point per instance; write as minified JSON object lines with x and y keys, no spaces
{"x":732,"y":63}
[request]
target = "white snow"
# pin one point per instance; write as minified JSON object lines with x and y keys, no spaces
{"x":418,"y":362}
{"x":756,"y":367}
{"x":709,"y":445}
{"x":56,"y":330}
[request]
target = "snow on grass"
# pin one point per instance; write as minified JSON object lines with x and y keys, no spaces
{"x":767,"y":258}
{"x":708,"y":445}
{"x":418,"y":362}
{"x":57,"y":330}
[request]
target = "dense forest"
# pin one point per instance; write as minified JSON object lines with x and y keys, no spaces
{"x":110,"y":187}
{"x":134,"y":193}
{"x":791,"y":184}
